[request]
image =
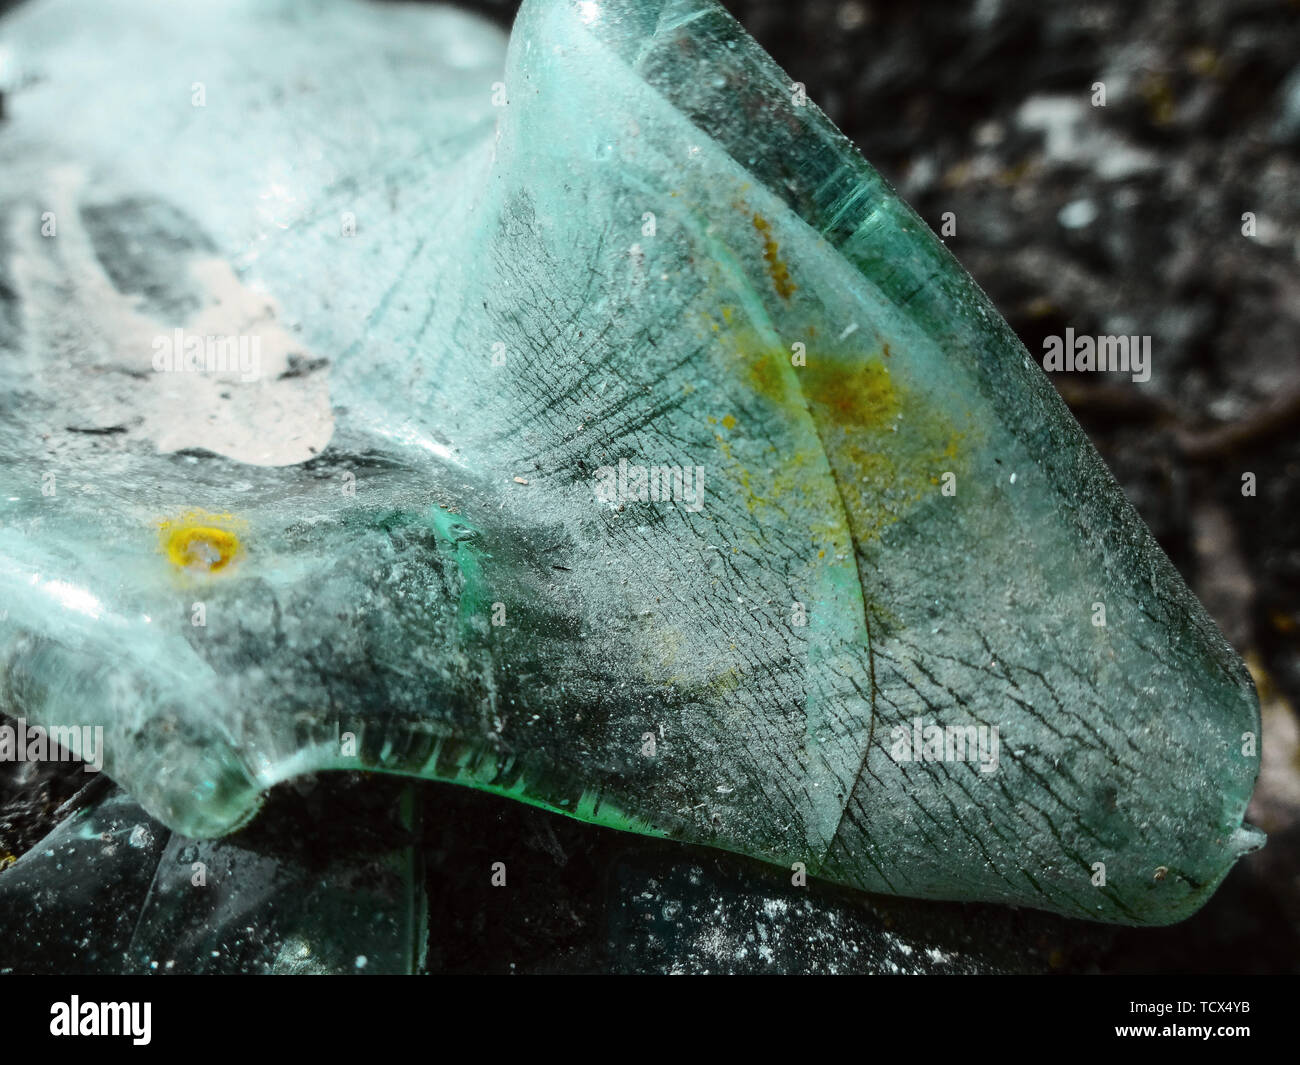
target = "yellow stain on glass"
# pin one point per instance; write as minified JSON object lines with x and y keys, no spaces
{"x":201,"y":542}
{"x":776,"y":267}
{"x":886,"y":442}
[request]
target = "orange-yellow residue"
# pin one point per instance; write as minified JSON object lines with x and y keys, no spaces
{"x":201,"y":542}
{"x":779,"y":272}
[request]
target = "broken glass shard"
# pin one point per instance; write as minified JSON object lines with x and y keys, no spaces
{"x":587,"y":423}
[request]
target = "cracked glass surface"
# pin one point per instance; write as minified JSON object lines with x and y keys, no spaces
{"x":477,"y":291}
